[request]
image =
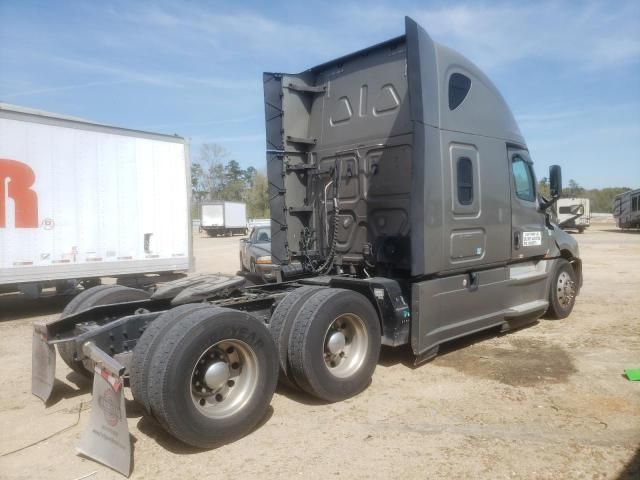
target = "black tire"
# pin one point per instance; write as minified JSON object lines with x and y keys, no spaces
{"x":307,"y":344}
{"x":147,"y":345}
{"x":170,"y":376}
{"x":281,"y":323}
{"x":74,"y":305}
{"x":580,"y":229}
{"x":100,"y":295}
{"x":561,"y":301}
{"x":242,"y":267}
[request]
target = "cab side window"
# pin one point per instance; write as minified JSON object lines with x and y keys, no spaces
{"x":523,"y":179}
{"x":465,"y":181}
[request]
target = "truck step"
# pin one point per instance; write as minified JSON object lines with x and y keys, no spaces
{"x":526,"y":308}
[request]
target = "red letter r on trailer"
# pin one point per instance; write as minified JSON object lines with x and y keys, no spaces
{"x":16,"y":178}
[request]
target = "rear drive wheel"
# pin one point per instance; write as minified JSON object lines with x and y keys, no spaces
{"x":147,"y":345}
{"x":562,"y":291}
{"x":212,"y":377}
{"x":281,"y":323}
{"x":100,"y":295}
{"x":335,"y":344}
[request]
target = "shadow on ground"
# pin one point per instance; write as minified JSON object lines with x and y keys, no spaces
{"x":153,"y":429}
{"x":627,"y":231}
{"x":631,"y":470}
{"x":62,"y":391}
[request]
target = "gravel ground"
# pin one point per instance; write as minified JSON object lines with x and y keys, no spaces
{"x":548,"y":401}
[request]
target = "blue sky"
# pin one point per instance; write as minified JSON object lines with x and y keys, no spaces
{"x":569,"y":70}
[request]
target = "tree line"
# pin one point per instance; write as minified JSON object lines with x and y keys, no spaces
{"x":601,"y":199}
{"x":216,"y":176}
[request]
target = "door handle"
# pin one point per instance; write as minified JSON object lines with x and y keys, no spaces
{"x":516,"y":240}
{"x":474,"y":281}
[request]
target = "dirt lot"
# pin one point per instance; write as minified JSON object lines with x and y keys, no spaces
{"x":548,"y":401}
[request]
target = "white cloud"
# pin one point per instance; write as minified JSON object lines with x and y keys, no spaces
{"x":589,"y":35}
{"x":135,"y":75}
{"x":60,"y":88}
{"x":236,"y":139}
{"x":222,"y":121}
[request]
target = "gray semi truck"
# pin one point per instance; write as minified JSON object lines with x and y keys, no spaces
{"x":404,"y":212}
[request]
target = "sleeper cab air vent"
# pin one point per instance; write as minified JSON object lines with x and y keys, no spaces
{"x":459,"y":86}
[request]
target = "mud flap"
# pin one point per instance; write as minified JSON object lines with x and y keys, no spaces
{"x":43,"y":363}
{"x":106,"y":438}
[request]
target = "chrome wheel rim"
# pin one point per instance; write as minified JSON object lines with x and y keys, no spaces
{"x":224,"y":378}
{"x":345,"y":345}
{"x":566,"y":289}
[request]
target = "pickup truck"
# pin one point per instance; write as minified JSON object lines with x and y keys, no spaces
{"x":255,"y":253}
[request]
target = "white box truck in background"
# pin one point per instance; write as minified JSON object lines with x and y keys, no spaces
{"x":81,"y":201}
{"x":223,"y":218}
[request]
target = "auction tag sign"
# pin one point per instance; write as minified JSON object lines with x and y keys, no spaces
{"x":531,"y":239}
{"x":106,"y":438}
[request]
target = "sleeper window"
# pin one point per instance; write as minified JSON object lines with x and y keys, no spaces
{"x":459,"y":86}
{"x":465,"y":181}
{"x":523,"y":179}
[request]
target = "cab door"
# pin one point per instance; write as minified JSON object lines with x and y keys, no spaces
{"x":529,"y":234}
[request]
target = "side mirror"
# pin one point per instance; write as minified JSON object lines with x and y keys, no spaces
{"x":555,"y":181}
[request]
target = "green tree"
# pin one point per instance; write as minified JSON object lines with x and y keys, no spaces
{"x":212,"y":159}
{"x":258,"y":196}
{"x":602,"y":199}
{"x":198,"y":189}
{"x":544,"y":188}
{"x":235,"y":182}
{"x":573,"y":190}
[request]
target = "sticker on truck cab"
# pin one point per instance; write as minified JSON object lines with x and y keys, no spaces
{"x":531,"y":239}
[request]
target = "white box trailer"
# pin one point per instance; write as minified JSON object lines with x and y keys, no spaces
{"x":80,"y":200}
{"x":574,"y":213}
{"x":223,"y":218}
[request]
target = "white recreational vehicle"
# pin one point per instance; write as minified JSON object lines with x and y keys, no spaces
{"x":573,"y":213}
{"x":626,"y":209}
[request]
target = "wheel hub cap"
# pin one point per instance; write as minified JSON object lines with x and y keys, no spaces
{"x":224,"y":378}
{"x":336,"y":343}
{"x":216,"y":375}
{"x":345,"y":345}
{"x":566,"y":289}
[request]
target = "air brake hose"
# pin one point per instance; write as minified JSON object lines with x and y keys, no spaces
{"x":334,"y":241}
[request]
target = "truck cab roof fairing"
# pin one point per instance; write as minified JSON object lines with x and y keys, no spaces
{"x":430,"y":65}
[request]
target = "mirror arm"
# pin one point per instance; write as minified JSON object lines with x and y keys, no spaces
{"x":546,"y":204}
